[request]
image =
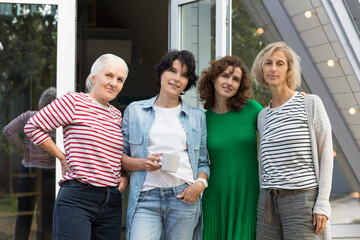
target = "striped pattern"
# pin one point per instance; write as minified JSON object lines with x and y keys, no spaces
{"x":286,"y":147}
{"x":93,"y":139}
{"x":36,"y":156}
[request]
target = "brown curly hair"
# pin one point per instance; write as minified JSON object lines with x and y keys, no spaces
{"x":208,"y":76}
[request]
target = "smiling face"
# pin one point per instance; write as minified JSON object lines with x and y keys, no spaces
{"x":174,"y":80}
{"x":108,"y":82}
{"x":275,"y":69}
{"x":228,"y":82}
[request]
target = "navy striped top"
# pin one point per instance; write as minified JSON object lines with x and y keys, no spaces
{"x":286,"y":147}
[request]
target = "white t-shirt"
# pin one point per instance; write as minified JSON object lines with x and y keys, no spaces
{"x":167,"y":136}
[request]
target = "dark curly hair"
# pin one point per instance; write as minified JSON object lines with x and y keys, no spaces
{"x":209,"y":75}
{"x":184,"y":57}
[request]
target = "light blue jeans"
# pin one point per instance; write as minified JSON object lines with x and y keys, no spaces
{"x":159,"y":214}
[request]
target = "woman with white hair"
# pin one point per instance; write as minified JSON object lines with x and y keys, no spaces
{"x":295,"y":155}
{"x":89,"y":203}
{"x":37,"y":174}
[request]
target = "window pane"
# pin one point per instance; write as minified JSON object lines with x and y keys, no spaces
{"x":354,"y":11}
{"x":197,"y":35}
{"x":247,"y":41}
{"x":28,"y":39}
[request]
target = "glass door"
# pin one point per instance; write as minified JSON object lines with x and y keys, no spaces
{"x":37,"y":47}
{"x":196,"y":26}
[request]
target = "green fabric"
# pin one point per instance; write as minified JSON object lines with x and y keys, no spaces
{"x":230,"y":201}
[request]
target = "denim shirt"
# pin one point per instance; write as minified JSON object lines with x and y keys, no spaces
{"x":138,"y":119}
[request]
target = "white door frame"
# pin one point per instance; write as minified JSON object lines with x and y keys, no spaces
{"x":66,"y":55}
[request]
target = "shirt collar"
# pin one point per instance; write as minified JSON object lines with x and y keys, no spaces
{"x":151,"y":102}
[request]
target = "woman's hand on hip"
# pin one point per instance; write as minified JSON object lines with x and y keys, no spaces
{"x":50,"y":146}
{"x":64,"y":166}
{"x":320,"y":222}
{"x":152,"y":162}
{"x":192,"y":193}
{"x":123,"y":182}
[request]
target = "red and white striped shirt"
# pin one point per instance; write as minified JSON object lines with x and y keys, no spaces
{"x":93,"y":139}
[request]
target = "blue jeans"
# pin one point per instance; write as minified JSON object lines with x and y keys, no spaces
{"x":159,"y":214}
{"x":87,"y":212}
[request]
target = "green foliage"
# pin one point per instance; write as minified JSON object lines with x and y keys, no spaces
{"x":8,"y":210}
{"x":246,"y":44}
{"x":8,"y":204}
{"x":28,"y":35}
{"x":28,"y":58}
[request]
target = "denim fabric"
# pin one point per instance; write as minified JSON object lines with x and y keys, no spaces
{"x":26,"y":184}
{"x":35,"y":180}
{"x":160,"y":214}
{"x":137,"y":122}
{"x":87,"y":212}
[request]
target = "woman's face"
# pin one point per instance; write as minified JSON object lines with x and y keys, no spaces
{"x":174,"y":80}
{"x":275,"y":69}
{"x":228,"y":82}
{"x":108,"y":82}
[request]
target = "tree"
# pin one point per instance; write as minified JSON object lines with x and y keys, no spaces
{"x":28,"y":35}
{"x":246,"y":44}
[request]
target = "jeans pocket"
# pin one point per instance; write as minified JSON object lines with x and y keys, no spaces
{"x":116,"y":196}
{"x":311,"y":196}
{"x":188,"y":202}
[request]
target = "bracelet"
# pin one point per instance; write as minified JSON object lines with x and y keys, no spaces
{"x":203,"y":180}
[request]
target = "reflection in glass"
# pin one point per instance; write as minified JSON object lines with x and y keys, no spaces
{"x":197,"y":35}
{"x":28,"y":39}
{"x":353,"y":7}
{"x":247,"y":40}
{"x":197,"y":31}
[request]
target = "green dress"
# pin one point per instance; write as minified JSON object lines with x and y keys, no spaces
{"x":230,"y":201}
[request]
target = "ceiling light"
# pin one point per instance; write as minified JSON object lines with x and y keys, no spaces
{"x":309,"y":13}
{"x":331,"y":62}
{"x":355,"y":195}
{"x":259,"y":31}
{"x":353,"y":110}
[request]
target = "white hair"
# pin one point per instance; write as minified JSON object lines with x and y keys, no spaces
{"x":47,"y":97}
{"x":99,"y":64}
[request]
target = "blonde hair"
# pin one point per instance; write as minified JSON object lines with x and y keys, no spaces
{"x":293,"y":77}
{"x":99,"y":64}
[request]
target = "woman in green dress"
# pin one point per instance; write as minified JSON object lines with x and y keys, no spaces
{"x":230,"y":201}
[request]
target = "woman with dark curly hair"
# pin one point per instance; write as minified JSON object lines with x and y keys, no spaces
{"x":230,"y":201}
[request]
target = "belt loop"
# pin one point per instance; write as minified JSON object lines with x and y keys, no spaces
{"x":267,"y":215}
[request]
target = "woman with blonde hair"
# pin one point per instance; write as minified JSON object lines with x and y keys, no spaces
{"x":295,"y":153}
